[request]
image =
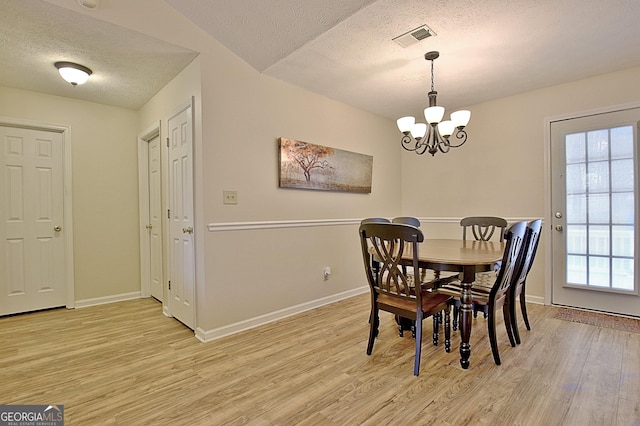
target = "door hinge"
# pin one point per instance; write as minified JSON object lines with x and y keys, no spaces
{"x":167,"y":142}
{"x":169,"y":285}
{"x":168,"y":214}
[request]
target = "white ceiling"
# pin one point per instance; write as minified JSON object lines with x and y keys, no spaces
{"x":128,"y":67}
{"x":488,"y":48}
{"x":342,"y":49}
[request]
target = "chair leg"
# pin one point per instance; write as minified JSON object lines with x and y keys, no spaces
{"x":456,"y":316}
{"x":477,"y":308}
{"x":523,"y":308}
{"x":436,"y":327}
{"x":514,"y":323}
{"x":416,"y":364}
{"x":447,"y":330}
{"x":373,"y":329}
{"x":508,"y":323}
{"x":491,"y":324}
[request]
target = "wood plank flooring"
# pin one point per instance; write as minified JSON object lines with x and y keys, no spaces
{"x":127,"y":364}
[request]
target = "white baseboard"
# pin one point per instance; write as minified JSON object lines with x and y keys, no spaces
{"x":107,"y":299}
{"x":227,"y":330}
{"x":535,"y":299}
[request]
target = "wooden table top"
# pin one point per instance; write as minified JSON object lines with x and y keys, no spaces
{"x":460,"y":252}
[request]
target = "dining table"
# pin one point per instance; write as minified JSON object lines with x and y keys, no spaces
{"x":467,"y":257}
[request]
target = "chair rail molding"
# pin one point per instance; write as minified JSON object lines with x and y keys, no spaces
{"x":305,"y":223}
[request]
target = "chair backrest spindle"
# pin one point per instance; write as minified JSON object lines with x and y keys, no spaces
{"x":483,"y":227}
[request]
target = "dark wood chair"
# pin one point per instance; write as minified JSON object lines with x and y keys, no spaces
{"x":393,"y":290}
{"x":375,"y":220}
{"x":375,"y":265}
{"x":534,"y":230}
{"x":405,"y":323}
{"x":496,"y":296}
{"x":482,"y":228}
{"x":407,"y":220}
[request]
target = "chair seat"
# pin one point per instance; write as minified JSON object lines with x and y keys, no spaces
{"x":431,"y":302}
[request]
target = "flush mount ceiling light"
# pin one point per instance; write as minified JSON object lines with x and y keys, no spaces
{"x":73,"y":73}
{"x":433,"y":136}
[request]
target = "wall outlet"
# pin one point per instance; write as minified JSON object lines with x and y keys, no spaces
{"x":229,"y":197}
{"x":327,"y":273}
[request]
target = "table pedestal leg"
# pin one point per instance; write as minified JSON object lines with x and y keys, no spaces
{"x":465,"y":322}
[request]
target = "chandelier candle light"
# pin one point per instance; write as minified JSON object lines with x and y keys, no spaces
{"x":434,"y":136}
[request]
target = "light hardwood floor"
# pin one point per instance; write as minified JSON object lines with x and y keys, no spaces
{"x":127,"y":364}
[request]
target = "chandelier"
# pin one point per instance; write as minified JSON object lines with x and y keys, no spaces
{"x":435,"y":135}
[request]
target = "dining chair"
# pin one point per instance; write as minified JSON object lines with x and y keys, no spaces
{"x":392,"y":290}
{"x":375,"y":220}
{"x":482,"y":229}
{"x":404,"y":323}
{"x":496,"y":296}
{"x":534,"y":230}
{"x":374,"y":263}
{"x":407,"y":220}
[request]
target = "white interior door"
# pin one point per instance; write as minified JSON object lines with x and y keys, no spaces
{"x":32,"y":251}
{"x":181,"y":224}
{"x":594,"y":205}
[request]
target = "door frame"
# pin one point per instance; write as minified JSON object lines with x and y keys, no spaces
{"x":143,"y":207}
{"x":67,"y":174}
{"x":548,"y":247}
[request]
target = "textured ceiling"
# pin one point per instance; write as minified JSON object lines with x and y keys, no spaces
{"x":342,"y":49}
{"x":128,"y":67}
{"x":488,"y":48}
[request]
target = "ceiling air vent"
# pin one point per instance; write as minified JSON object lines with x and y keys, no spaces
{"x":414,"y":36}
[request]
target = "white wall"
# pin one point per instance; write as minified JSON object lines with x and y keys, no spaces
{"x":255,"y":272}
{"x":105,"y":206}
{"x":242,"y":274}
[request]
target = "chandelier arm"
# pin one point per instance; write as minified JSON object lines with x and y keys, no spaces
{"x":461,"y":135}
{"x":443,"y":144}
{"x":406,"y":142}
{"x":423,"y":145}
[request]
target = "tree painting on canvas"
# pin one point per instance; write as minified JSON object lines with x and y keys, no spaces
{"x":305,"y":165}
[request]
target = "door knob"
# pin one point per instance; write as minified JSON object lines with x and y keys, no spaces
{"x":188,"y":230}
{"x":57,"y":228}
{"x":559,"y":228}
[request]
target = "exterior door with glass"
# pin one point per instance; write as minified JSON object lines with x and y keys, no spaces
{"x":594,"y":203}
